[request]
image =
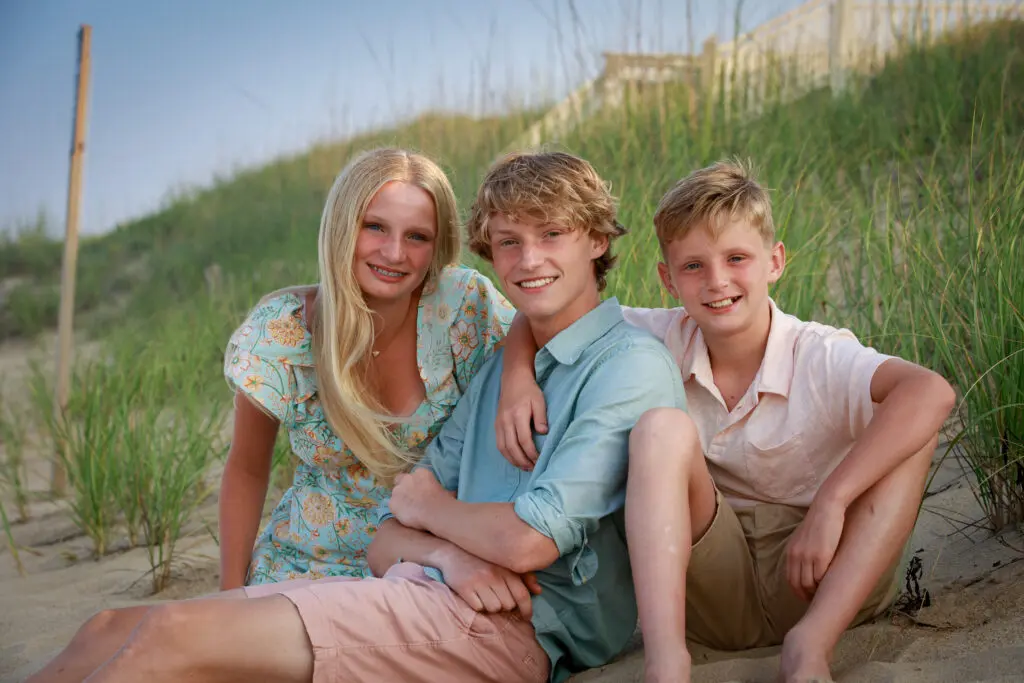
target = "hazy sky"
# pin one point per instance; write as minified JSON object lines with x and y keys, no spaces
{"x":185,"y":89}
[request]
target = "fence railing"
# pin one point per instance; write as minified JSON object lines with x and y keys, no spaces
{"x":818,"y":44}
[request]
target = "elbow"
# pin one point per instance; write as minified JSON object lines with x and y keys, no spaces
{"x":376,"y":557}
{"x":531,"y":551}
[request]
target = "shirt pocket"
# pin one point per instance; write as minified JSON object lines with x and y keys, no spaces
{"x":779,"y":468}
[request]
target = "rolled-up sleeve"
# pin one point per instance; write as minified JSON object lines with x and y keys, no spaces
{"x":585,"y":478}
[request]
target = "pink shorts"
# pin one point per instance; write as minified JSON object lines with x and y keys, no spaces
{"x":407,"y":627}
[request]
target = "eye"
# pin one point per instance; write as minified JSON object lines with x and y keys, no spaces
{"x":373,"y":226}
{"x":736,"y":258}
{"x":419,"y":237}
{"x":553,"y":233}
{"x":507,"y":243}
{"x":692,"y":266}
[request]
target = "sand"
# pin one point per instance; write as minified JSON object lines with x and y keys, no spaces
{"x":973,"y":630}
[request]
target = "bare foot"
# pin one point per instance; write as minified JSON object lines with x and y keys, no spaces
{"x":804,"y":660}
{"x":675,"y":670}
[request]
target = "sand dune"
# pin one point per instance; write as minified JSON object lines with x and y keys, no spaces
{"x":973,"y":630}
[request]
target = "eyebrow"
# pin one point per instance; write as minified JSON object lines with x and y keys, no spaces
{"x":374,"y":218}
{"x":503,"y":232}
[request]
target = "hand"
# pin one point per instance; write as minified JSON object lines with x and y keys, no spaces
{"x":414,"y":496}
{"x":519,"y":402}
{"x":812,"y":546}
{"x":488,"y":587}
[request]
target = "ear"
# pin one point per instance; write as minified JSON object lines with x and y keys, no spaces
{"x":778,"y":262}
{"x":598,"y":245}
{"x":666,"y":279}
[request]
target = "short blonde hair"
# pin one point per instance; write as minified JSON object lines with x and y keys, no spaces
{"x":548,"y":187}
{"x":711,"y":197}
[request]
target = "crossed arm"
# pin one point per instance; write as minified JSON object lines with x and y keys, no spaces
{"x":485,"y":551}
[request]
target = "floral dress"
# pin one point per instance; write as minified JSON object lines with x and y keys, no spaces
{"x":326,"y":520}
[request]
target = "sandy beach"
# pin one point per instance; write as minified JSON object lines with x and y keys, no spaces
{"x":973,"y":629}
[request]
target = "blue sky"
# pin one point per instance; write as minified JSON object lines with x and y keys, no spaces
{"x":186,"y":89}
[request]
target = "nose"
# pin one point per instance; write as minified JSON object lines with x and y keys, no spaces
{"x":393,"y":249}
{"x":530,"y":256}
{"x":716,"y":277}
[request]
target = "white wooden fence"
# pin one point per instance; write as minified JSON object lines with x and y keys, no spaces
{"x":817,"y":44}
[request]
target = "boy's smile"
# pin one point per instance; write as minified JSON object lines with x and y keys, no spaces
{"x":722,"y":280}
{"x":546,"y":271}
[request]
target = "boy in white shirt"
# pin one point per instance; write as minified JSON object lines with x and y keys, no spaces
{"x":776,"y":511}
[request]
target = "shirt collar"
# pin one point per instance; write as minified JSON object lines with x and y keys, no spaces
{"x":568,"y":345}
{"x":777,"y":366}
{"x":776,"y":373}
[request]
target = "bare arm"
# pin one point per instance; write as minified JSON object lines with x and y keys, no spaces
{"x":914,"y":402}
{"x":244,"y":489}
{"x":493,"y":532}
{"x":485,"y":586}
{"x":490,"y":531}
{"x":394,"y":542}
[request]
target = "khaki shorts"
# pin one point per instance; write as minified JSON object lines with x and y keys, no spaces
{"x":408,"y":627}
{"x":737,"y":593}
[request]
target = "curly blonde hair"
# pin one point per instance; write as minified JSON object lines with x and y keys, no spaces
{"x":547,"y":187}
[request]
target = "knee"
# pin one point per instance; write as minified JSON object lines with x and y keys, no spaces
{"x":661,"y":432}
{"x":102,"y":623}
{"x":160,"y":626}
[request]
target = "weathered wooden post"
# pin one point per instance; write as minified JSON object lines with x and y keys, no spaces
{"x":839,"y":40}
{"x":65,"y":328}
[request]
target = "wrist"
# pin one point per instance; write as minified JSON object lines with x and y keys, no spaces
{"x":444,"y":555}
{"x":439,"y":509}
{"x":831,"y":499}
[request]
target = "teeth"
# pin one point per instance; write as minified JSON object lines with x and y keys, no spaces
{"x":723,"y":303}
{"x":389,"y":273}
{"x":533,"y":284}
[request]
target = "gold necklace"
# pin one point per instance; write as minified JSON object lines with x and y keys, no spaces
{"x":376,"y":352}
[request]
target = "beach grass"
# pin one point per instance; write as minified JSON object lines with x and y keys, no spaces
{"x":900,"y":201}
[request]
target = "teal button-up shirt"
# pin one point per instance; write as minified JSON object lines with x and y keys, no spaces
{"x":598,"y":377}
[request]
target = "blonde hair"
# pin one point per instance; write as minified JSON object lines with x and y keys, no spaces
{"x":548,"y":187}
{"x":711,"y":197}
{"x":343,"y":323}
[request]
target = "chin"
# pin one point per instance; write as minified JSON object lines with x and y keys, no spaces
{"x":533,"y":310}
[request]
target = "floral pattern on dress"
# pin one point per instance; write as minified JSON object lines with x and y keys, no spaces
{"x":325,"y":521}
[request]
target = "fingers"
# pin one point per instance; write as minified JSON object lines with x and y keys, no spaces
{"x":540,"y":414}
{"x":472,"y":599}
{"x":807,"y":581}
{"x":524,"y":439}
{"x":794,"y":574}
{"x":521,"y":595}
{"x":513,"y":451}
{"x":489,"y":598}
{"x":532,"y":584}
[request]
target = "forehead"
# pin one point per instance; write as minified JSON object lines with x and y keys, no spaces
{"x":730,"y":235}
{"x":501,"y":224}
{"x":401,"y":198}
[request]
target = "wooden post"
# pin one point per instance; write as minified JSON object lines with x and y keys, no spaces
{"x":838,"y":44}
{"x":58,"y":476}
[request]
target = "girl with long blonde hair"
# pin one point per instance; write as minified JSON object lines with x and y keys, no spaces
{"x":361,"y":370}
